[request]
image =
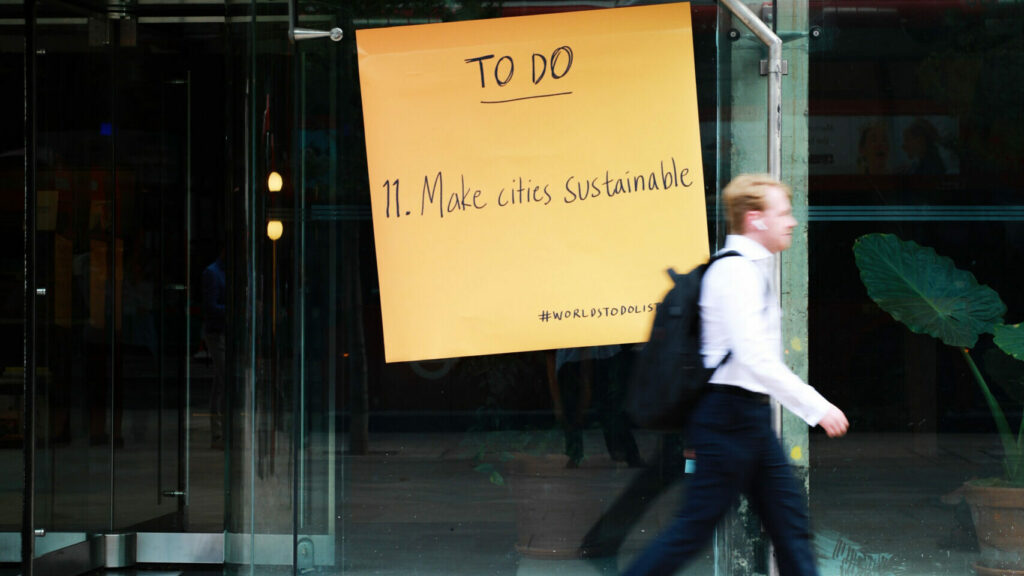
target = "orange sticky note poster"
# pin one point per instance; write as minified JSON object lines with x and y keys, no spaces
{"x":531,"y":178}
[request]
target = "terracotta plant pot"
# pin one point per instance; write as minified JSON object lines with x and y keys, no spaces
{"x":985,"y":571}
{"x":998,"y":514}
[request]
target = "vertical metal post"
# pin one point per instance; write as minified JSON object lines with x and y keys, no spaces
{"x":113,"y":263}
{"x":184,"y":460}
{"x":774,"y":43}
{"x":28,"y":545}
{"x":765,"y":34}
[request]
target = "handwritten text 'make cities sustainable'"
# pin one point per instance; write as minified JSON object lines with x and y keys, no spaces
{"x":438,"y":198}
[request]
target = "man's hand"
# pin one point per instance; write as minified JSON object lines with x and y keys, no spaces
{"x":834,"y":422}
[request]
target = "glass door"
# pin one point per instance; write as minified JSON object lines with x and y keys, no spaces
{"x":114,"y":286}
{"x":331,"y":231}
{"x":129,"y":454}
{"x":299,"y":275}
{"x":79,"y":262}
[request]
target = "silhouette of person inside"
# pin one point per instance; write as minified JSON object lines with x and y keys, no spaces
{"x":579,"y":377}
{"x":606,"y":536}
{"x":139,"y":327}
{"x":873,"y":149}
{"x":214,"y":291}
{"x":921,"y":145}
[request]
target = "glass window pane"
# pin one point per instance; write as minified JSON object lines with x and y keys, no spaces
{"x":408,"y":465}
{"x":916,"y":132}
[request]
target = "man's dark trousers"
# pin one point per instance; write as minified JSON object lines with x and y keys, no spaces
{"x":737,"y":452}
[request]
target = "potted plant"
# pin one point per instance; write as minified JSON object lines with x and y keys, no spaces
{"x":930,"y":295}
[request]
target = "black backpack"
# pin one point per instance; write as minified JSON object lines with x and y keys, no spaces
{"x":669,"y":376}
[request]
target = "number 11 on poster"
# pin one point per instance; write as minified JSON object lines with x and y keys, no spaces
{"x":387,"y":188}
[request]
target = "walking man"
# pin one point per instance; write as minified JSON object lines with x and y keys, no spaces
{"x":731,"y":432}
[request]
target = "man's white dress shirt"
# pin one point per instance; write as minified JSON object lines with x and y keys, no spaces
{"x":741,"y":315}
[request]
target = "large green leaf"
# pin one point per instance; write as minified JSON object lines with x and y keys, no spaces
{"x":1011,"y":340}
{"x":925,"y":291}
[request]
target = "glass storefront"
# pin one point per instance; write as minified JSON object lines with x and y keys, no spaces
{"x":210,"y":385}
{"x":915,"y":131}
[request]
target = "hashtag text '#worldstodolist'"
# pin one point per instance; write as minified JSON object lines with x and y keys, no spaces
{"x":595,"y":312}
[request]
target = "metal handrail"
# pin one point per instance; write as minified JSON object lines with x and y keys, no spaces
{"x":765,"y":34}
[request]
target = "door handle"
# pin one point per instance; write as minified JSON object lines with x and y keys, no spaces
{"x":297,"y":34}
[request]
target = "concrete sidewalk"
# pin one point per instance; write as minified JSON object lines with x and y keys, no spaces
{"x":441,"y":504}
{"x":416,"y":505}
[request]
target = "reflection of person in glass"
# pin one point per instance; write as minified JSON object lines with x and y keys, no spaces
{"x":607,"y":535}
{"x":921,"y":144}
{"x":578,"y":376}
{"x":214,"y":288}
{"x":873,"y":149}
{"x":735,"y":447}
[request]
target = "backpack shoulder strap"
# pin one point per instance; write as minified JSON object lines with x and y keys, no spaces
{"x":721,"y":255}
{"x":715,"y":258}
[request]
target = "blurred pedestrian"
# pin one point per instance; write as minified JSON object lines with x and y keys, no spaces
{"x":731,"y":432}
